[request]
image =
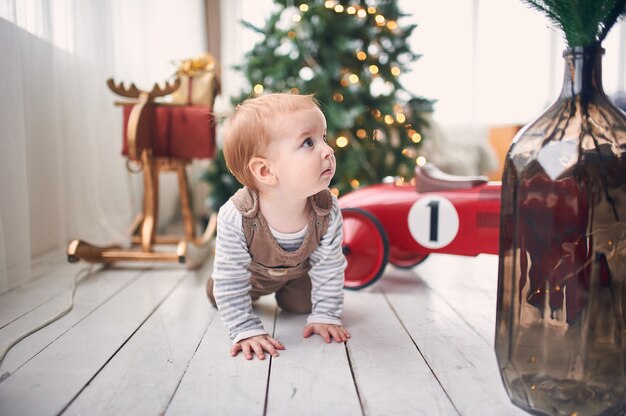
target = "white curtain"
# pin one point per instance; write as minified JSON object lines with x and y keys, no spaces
{"x":61,"y":172}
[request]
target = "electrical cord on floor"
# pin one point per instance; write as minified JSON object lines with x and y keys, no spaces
{"x":80,"y":275}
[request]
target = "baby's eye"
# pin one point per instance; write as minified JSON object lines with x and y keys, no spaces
{"x":325,"y":139}
{"x":308,"y":142}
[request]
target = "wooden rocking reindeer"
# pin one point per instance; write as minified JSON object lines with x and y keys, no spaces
{"x":152,"y":148}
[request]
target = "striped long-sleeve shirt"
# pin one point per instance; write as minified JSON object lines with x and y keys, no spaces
{"x":232,"y":278}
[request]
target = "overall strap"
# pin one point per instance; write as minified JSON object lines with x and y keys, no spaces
{"x":246,"y":201}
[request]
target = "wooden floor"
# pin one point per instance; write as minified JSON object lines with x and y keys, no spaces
{"x":143,"y":340}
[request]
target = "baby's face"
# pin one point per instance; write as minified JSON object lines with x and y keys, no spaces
{"x":298,"y":154}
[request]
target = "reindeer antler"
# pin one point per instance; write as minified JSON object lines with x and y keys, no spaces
{"x":134,"y":92}
{"x":130,"y":92}
{"x":169,"y":88}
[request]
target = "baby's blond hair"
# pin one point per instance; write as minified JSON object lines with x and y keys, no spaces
{"x":247,"y":131}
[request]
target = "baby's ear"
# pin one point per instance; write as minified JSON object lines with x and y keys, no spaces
{"x":261,"y":171}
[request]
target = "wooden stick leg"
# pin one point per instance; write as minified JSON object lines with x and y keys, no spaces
{"x":81,"y":250}
{"x":150,"y":201}
{"x":135,"y":227}
{"x":185,"y":204}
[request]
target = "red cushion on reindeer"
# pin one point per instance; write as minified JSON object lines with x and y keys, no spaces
{"x":176,"y":131}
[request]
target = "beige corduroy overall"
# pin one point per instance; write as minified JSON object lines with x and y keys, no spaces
{"x":274,"y":270}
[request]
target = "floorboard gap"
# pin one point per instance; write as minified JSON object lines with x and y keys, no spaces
{"x":269,"y":367}
{"x":169,"y":402}
{"x":459,"y":314}
{"x":356,"y":386}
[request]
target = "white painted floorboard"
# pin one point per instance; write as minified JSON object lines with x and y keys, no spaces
{"x":143,"y":340}
{"x":91,"y":293}
{"x":142,"y":377}
{"x":47,"y":383}
{"x":391,"y":375}
{"x":22,"y":300}
{"x":310,"y":377}
{"x":463,"y":361}
{"x":216,"y":383}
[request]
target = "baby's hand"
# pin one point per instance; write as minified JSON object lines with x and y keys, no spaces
{"x":326,"y":331}
{"x":256,"y":345}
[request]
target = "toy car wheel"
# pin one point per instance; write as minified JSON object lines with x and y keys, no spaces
{"x":365,"y":246}
{"x":406,"y":260}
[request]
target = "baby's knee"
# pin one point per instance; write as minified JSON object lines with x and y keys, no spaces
{"x":209,"y":292}
{"x":295,"y":306}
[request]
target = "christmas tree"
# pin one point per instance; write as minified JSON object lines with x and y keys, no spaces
{"x":350,"y":54}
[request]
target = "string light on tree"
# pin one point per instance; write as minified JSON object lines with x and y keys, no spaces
{"x":410,"y":153}
{"x":341,"y":141}
{"x":337,"y":97}
{"x":415,"y":136}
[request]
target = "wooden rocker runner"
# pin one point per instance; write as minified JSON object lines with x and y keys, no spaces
{"x":159,"y":137}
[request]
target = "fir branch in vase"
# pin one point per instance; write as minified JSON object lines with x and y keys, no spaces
{"x":583,"y":22}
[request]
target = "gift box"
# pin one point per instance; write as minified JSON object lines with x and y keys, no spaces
{"x":199,"y":89}
{"x":175,"y":131}
{"x":199,"y":81}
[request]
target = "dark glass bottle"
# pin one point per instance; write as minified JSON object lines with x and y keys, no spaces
{"x":560,"y":324}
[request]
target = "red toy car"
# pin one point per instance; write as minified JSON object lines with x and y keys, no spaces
{"x":403,"y":224}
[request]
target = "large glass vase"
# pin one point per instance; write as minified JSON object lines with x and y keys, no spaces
{"x":560,"y":324}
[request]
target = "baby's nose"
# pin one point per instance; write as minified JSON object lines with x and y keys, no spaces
{"x":327,"y":151}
